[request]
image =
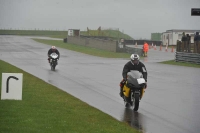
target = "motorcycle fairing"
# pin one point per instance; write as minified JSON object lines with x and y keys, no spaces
{"x":54,"y":55}
{"x":126,"y":90}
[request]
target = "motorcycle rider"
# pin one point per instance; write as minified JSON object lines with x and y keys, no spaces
{"x":133,"y":64}
{"x":53,"y":49}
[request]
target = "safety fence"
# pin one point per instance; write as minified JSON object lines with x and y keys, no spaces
{"x":171,"y":49}
{"x":122,"y":48}
{"x":188,"y":52}
{"x":141,"y":42}
{"x":187,"y":57}
{"x":138,"y":51}
{"x":188,"y":47}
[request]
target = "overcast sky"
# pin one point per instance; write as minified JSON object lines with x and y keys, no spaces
{"x":137,"y":18}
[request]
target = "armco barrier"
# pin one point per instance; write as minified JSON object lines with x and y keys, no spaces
{"x":138,"y":51}
{"x":187,"y":57}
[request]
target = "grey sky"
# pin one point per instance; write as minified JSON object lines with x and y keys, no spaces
{"x":138,"y":18}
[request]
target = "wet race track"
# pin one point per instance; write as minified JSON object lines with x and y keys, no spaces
{"x":171,"y":103}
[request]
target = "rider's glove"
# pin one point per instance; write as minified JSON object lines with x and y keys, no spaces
{"x":122,"y":82}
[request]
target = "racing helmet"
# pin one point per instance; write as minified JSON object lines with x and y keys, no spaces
{"x":53,"y":48}
{"x":135,"y":58}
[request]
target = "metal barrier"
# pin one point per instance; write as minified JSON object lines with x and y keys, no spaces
{"x":187,"y":57}
{"x":138,"y":51}
{"x":121,"y":48}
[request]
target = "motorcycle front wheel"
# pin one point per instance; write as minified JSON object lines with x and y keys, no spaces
{"x":53,"y":67}
{"x":136,"y":102}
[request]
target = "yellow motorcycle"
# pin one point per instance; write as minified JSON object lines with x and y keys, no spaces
{"x":133,"y":89}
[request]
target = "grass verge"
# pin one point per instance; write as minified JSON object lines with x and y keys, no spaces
{"x":47,"y":109}
{"x":172,"y":62}
{"x":83,"y":49}
{"x":115,"y":34}
{"x":60,"y":34}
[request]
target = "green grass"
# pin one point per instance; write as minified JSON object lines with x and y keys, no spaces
{"x":115,"y":34}
{"x":47,"y":109}
{"x":172,"y":62}
{"x":54,"y":34}
{"x":83,"y":49}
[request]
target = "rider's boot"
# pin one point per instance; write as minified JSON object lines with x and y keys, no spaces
{"x":121,"y":92}
{"x":127,"y":105}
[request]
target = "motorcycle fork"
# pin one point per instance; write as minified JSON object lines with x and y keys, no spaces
{"x":133,"y":94}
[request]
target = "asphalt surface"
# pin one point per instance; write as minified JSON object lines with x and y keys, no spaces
{"x":170,"y":104}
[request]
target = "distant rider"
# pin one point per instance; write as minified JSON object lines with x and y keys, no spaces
{"x":53,"y":50}
{"x":133,"y":64}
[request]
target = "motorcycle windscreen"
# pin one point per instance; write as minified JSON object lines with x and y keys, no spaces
{"x":135,"y":74}
{"x":135,"y":78}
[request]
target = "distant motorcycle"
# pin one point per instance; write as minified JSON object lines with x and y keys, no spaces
{"x":133,"y":89}
{"x":53,"y":61}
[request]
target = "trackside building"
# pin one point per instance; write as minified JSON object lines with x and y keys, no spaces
{"x":170,"y":37}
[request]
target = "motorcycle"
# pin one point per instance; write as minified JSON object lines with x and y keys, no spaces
{"x":133,"y":89}
{"x":53,"y":61}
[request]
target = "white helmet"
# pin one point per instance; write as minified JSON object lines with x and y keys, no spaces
{"x":135,"y":57}
{"x":53,"y":47}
